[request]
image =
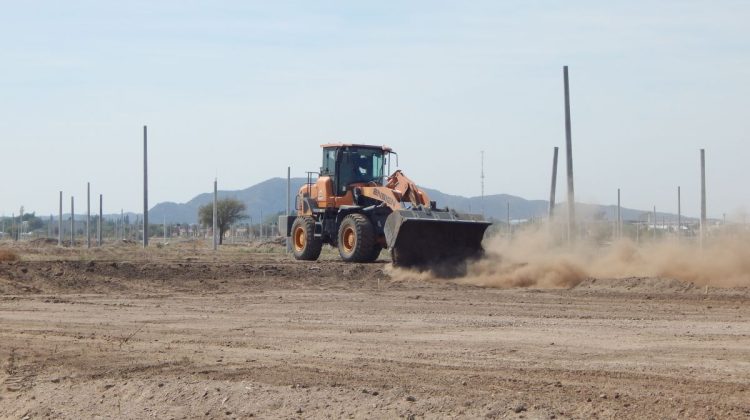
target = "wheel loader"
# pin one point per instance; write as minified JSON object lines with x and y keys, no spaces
{"x":354,"y":206}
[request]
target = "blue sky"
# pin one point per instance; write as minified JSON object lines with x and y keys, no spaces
{"x":240,"y":90}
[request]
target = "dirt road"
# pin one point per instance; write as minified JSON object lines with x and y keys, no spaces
{"x":106,"y":335}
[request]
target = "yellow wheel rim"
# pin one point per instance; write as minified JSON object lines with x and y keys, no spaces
{"x":350,"y":239}
{"x":299,"y":239}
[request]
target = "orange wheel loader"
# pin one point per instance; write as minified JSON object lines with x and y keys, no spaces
{"x":354,"y":206}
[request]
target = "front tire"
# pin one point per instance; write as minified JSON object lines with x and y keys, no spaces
{"x":376,"y":249}
{"x":356,"y":239}
{"x":305,"y":245}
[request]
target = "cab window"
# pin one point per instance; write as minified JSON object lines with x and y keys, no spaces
{"x":359,"y":165}
{"x":329,"y":161}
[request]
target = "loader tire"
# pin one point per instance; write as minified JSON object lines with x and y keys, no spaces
{"x":356,"y":239}
{"x":375,"y":253}
{"x":305,"y":245}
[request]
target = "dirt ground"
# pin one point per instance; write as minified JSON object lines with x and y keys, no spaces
{"x":179,"y":332}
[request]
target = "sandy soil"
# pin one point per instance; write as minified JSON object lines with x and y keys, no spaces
{"x":118,"y":332}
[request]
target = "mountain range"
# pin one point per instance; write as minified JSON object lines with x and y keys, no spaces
{"x":266,"y":199}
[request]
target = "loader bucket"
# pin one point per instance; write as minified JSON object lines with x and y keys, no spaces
{"x":423,"y":238}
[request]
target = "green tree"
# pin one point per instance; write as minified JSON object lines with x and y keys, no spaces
{"x":228,"y":212}
{"x":34,"y":222}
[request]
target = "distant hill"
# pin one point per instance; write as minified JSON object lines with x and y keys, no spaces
{"x":269,"y":198}
{"x":493,"y":206}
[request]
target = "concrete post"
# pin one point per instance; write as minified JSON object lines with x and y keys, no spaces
{"x":569,"y":159}
{"x":101,"y":220}
{"x":72,"y":224}
{"x":638,"y":231}
{"x":145,"y":186}
{"x":679,"y":212}
{"x":88,"y":215}
{"x":288,"y":203}
{"x":507,"y":219}
{"x":703,"y":197}
{"x":619,"y":216}
{"x":60,"y":223}
{"x":553,"y":187}
{"x":216,"y":213}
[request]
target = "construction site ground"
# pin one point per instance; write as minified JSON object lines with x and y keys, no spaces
{"x":181,"y":332}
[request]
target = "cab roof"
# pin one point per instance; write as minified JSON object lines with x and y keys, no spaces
{"x":366,"y":146}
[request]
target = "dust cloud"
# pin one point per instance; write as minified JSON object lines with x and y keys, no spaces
{"x":400,"y":274}
{"x":536,"y":258}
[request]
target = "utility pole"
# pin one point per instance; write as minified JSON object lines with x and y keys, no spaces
{"x":145,"y":186}
{"x":703,"y":197}
{"x":216,"y":213}
{"x":88,"y":215}
{"x":553,"y":187}
{"x":654,"y":224}
{"x":99,"y":226}
{"x":72,"y":224}
{"x":165,"y":228}
{"x":59,"y":222}
{"x":569,"y":159}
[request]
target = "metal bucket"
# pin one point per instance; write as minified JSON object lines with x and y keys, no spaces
{"x":421,"y":238}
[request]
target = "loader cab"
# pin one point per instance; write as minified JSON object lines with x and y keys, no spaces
{"x":349,"y":164}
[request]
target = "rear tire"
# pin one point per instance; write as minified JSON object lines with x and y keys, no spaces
{"x":305,"y":245}
{"x":356,"y":239}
